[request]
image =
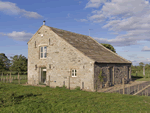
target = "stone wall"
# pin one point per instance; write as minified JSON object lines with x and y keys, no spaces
{"x":61,"y":58}
{"x":120,"y":71}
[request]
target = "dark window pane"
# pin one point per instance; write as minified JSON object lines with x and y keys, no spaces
{"x":45,"y":55}
{"x":41,"y":49}
{"x":45,"y":49}
{"x":41,"y":55}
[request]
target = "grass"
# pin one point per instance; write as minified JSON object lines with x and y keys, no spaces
{"x":143,"y":79}
{"x":29,"y":99}
{"x":139,"y":76}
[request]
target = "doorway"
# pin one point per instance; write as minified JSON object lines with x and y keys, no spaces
{"x":43,"y":75}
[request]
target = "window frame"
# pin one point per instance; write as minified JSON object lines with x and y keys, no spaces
{"x":43,"y":52}
{"x":73,"y":73}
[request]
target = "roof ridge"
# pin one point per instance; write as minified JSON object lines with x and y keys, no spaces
{"x":68,"y":31}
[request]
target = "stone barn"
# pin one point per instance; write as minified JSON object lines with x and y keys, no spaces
{"x":66,"y":58}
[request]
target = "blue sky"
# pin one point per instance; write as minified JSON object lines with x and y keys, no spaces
{"x":125,"y":24}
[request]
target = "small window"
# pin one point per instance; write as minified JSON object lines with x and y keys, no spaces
{"x":49,"y":41}
{"x":35,"y":44}
{"x":43,"y":52}
{"x":74,"y":73}
{"x":35,"y":67}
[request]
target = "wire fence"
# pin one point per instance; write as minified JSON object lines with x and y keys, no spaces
{"x":13,"y":77}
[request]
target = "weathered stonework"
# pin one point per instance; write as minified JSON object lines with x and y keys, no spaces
{"x":62,"y":57}
{"x":120,"y":71}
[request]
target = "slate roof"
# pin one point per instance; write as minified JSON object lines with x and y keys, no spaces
{"x":90,"y":47}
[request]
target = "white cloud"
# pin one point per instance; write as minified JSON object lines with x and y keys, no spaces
{"x":145,"y":48}
{"x":81,"y":20}
{"x":95,"y":3}
{"x":118,"y":41}
{"x":11,"y":9}
{"x":123,"y":15}
{"x":148,"y":59}
{"x":20,"y":36}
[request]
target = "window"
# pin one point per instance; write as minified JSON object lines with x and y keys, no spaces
{"x":74,"y":73}
{"x":35,"y":67}
{"x":35,"y":44}
{"x":49,"y":41}
{"x":43,"y":52}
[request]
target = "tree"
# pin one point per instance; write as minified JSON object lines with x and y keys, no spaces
{"x":5,"y":60}
{"x":109,"y":47}
{"x":141,"y":64}
{"x":2,"y":65}
{"x":18,"y":63}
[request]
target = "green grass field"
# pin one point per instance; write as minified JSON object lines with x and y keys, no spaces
{"x":140,"y":73}
{"x":29,"y":99}
{"x":139,"y":76}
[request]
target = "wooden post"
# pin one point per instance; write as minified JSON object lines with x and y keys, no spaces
{"x":69,"y":82}
{"x":18,"y":78}
{"x":7,"y":78}
{"x":82,"y":85}
{"x":18,"y":75}
{"x":63,"y":83}
{"x":142,"y":91}
{"x":123,"y":84}
{"x":49,"y":81}
{"x":138,"y":87}
{"x":130,"y":73}
{"x":10,"y":78}
{"x":144,"y":71}
{"x":113,"y":75}
{"x":2,"y":75}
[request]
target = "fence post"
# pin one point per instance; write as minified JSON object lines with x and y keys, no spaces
{"x":63,"y":83}
{"x":142,"y":91}
{"x":7,"y":78}
{"x":82,"y":85}
{"x":18,"y":78}
{"x":2,"y":75}
{"x":123,"y":84}
{"x":10,"y":77}
{"x":69,"y":82}
{"x":49,"y":81}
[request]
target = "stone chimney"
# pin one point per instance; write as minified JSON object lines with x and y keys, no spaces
{"x":44,"y":22}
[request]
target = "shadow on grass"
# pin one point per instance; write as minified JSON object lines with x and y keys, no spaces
{"x":136,"y":77}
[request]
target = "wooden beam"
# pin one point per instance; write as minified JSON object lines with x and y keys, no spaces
{"x":141,"y":90}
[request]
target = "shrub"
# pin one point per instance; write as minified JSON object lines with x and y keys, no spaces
{"x":14,"y":73}
{"x":64,"y":87}
{"x":77,"y":88}
{"x":25,"y":73}
{"x":57,"y":87}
